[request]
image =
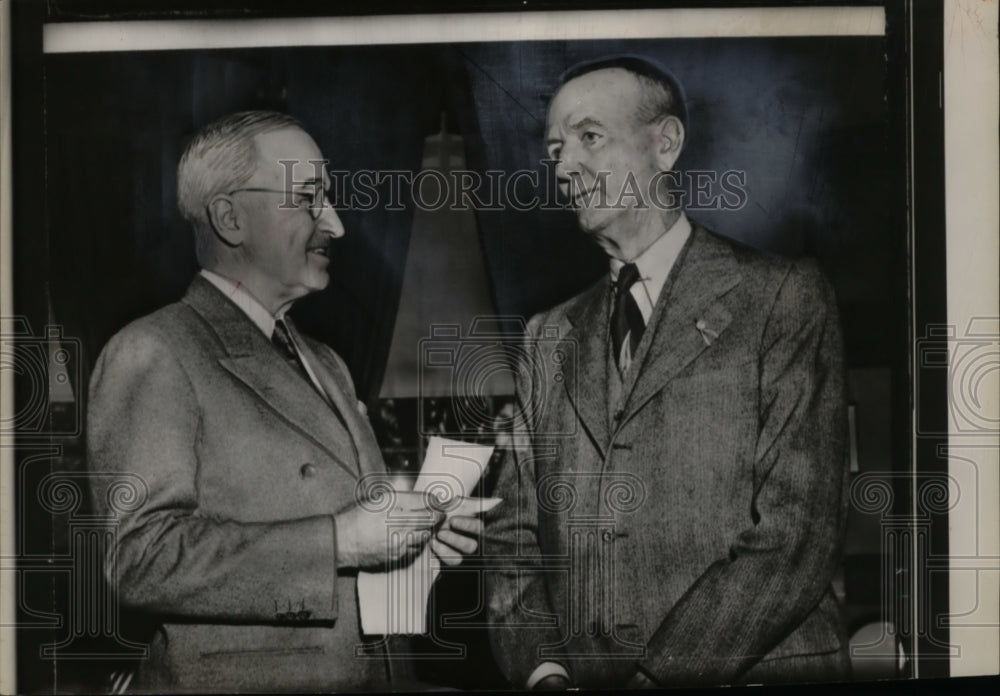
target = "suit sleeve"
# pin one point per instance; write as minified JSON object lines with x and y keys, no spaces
{"x":521,"y":619}
{"x":780,"y":565}
{"x":168,"y":557}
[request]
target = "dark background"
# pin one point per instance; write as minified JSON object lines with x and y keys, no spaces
{"x":808,"y":120}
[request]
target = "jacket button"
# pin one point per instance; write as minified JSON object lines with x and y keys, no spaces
{"x":307,"y":470}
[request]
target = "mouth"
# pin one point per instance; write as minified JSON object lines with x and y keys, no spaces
{"x":319,"y":249}
{"x":577,"y":199}
{"x":578,"y":195}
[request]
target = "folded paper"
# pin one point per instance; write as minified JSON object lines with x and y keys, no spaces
{"x":395,"y":602}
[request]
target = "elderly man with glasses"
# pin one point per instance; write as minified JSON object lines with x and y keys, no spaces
{"x":246,"y":446}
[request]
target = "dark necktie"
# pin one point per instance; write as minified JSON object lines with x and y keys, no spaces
{"x":627,"y":324}
{"x":282,"y":340}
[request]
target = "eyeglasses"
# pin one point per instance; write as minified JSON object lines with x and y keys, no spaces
{"x":314,"y":195}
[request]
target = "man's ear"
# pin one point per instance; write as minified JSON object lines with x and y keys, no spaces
{"x":225,"y":221}
{"x":671,"y":141}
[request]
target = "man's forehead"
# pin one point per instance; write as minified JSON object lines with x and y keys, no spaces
{"x":604,"y":89}
{"x":289,"y":147}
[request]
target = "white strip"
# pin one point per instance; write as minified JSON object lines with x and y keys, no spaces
{"x":8,"y":590}
{"x":85,"y":37}
{"x":915,"y":577}
{"x":972,"y":179}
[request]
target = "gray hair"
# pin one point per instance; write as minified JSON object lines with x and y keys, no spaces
{"x":221,"y":157}
{"x":661,"y":95}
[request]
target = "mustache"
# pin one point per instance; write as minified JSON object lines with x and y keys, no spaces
{"x":321,"y":241}
{"x":575,"y":187}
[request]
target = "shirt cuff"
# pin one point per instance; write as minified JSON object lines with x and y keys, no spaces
{"x":546,"y":669}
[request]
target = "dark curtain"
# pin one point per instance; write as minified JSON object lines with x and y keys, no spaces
{"x":804,"y":119}
{"x":117,"y":124}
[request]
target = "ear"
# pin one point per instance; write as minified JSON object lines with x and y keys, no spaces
{"x":225,"y":220}
{"x":671,"y":141}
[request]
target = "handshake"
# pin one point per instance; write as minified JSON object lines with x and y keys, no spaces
{"x":374,"y":536}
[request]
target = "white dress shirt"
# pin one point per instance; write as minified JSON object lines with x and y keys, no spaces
{"x":262,"y":318}
{"x":654,"y":265}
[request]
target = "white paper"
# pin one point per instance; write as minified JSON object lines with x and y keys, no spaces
{"x":396,"y":602}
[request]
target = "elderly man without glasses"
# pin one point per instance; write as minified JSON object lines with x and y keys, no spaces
{"x":682,"y":494}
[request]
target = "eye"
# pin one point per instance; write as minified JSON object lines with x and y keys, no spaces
{"x":591,"y":137}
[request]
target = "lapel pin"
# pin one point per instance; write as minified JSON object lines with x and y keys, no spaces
{"x":707,"y":334}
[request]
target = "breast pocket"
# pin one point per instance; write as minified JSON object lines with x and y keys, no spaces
{"x":708,"y":422}
{"x":714,"y":390}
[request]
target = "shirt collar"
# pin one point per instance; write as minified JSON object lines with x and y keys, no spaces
{"x":247,"y":303}
{"x":655,"y":262}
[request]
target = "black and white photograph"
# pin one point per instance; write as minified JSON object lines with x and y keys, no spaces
{"x":498,"y":348}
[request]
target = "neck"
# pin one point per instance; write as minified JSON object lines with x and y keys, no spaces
{"x":260,"y":288}
{"x":628,"y":241}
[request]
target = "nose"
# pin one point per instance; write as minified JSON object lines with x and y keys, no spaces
{"x":563,"y":169}
{"x":569,"y":171}
{"x":568,"y":164}
{"x":569,"y":178}
{"x":328,"y":221}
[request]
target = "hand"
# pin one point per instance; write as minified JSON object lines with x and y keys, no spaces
{"x":553,"y":682}
{"x":640,"y":681}
{"x":372,"y":534}
{"x":457,"y":537}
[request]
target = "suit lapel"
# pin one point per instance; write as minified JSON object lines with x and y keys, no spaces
{"x":688,"y":317}
{"x":337,"y":386}
{"x":587,"y":376}
{"x":252,"y":360}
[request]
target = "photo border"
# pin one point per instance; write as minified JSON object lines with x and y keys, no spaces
{"x":916,"y":34}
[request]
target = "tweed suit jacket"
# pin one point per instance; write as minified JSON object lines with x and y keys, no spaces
{"x":693,"y":532}
{"x":238,"y":467}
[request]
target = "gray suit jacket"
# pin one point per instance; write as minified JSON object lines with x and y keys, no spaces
{"x":237,"y":466}
{"x":694,"y":532}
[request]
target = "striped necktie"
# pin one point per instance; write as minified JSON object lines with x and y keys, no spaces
{"x":282,"y":340}
{"x":627,"y":324}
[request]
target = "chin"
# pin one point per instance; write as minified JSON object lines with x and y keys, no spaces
{"x":316,"y":281}
{"x":320,"y":283}
{"x":593,"y":221}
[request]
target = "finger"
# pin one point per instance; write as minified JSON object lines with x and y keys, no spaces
{"x":401,"y":549}
{"x":424,"y":519}
{"x":445,"y":553}
{"x":412,"y":502}
{"x":461,"y":543}
{"x":417,"y":539}
{"x":442,"y":504}
{"x":469,"y":507}
{"x":473,"y":526}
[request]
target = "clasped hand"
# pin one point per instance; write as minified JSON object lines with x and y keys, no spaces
{"x":374,"y":535}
